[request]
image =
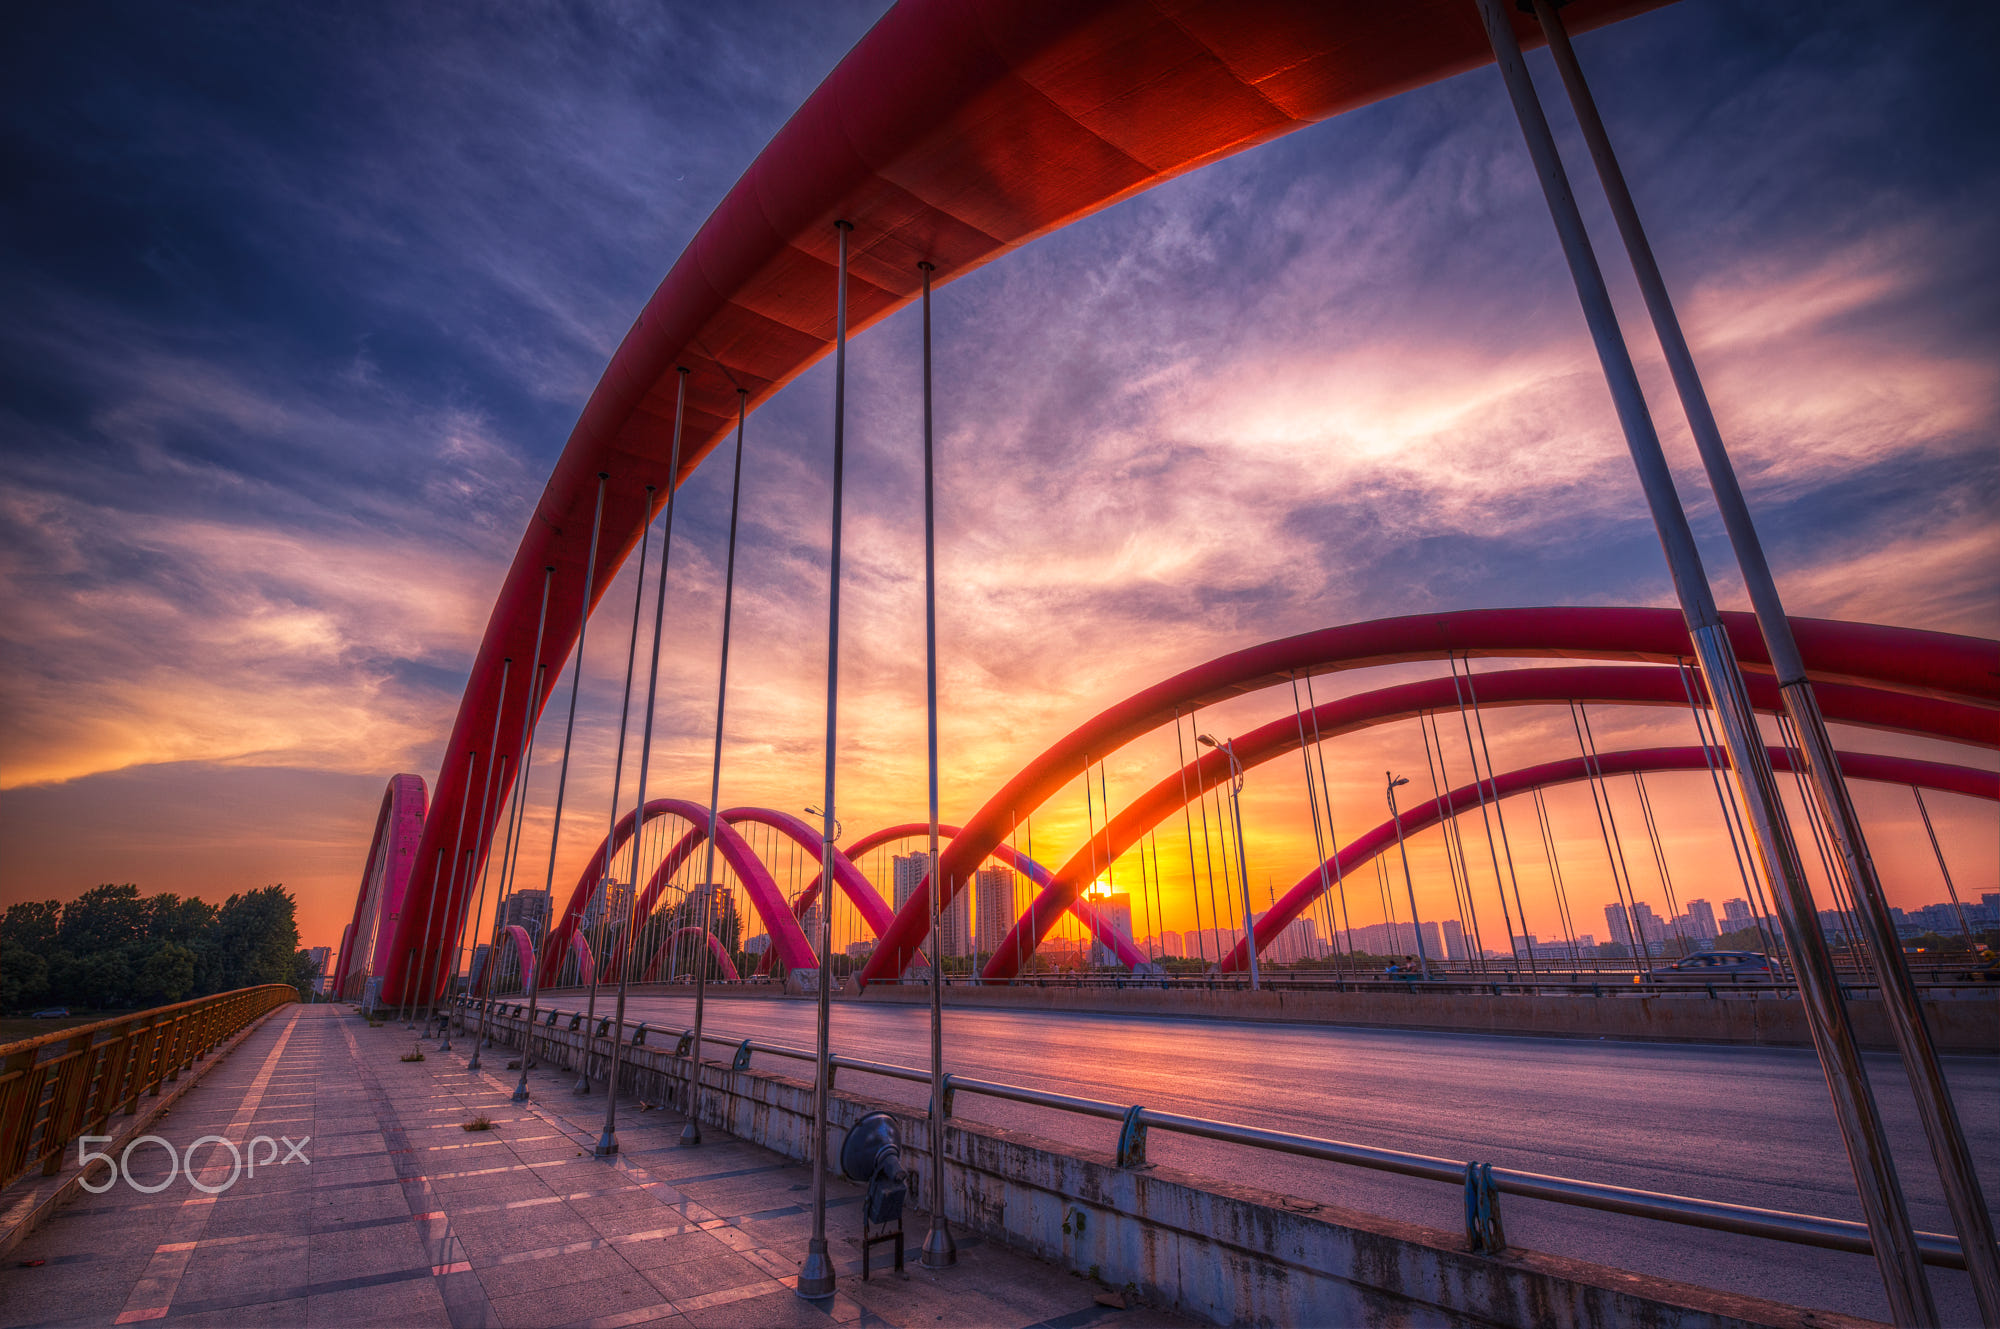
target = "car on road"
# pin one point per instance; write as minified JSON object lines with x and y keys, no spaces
{"x":1719,"y":967}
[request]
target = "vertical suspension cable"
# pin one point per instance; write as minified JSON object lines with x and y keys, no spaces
{"x":1753,"y":897}
{"x":1614,"y":844}
{"x":1187,"y":820}
{"x":537,"y":959}
{"x":605,"y":877}
{"x":1455,"y":864}
{"x":607,"y":1140}
{"x":1332,"y":837}
{"x":1837,"y":884}
{"x":1950,"y":887}
{"x":1499,"y":808}
{"x":1660,"y":860}
{"x":1556,"y":879}
{"x":691,"y":1133}
{"x":1312,"y":800}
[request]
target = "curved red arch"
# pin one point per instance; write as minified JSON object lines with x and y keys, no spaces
{"x":1085,"y":912}
{"x":385,"y":881}
{"x":1853,"y":765}
{"x":952,"y":133}
{"x":715,"y":948}
{"x":765,"y":897}
{"x":524,"y":948}
{"x":1629,"y":685}
{"x":853,"y":885}
{"x":1926,"y":664}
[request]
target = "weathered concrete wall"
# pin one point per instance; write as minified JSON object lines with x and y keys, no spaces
{"x":1229,"y":1254}
{"x":1967,"y":1024}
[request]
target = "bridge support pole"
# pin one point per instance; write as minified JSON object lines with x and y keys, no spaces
{"x":607,"y":1138}
{"x":691,"y":1132}
{"x":1881,"y":1193}
{"x":1949,"y":1150}
{"x":815,"y":1280}
{"x":940,"y":1251}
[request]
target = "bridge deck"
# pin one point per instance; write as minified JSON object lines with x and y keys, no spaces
{"x":401,"y":1217}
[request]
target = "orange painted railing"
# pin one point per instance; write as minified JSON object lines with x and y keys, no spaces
{"x":70,"y":1083}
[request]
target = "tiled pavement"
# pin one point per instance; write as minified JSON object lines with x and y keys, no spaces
{"x":403,"y":1218}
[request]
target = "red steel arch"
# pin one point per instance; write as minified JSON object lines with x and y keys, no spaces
{"x":1853,"y":765}
{"x":1627,"y":685}
{"x":856,"y":886}
{"x":1938,"y":665}
{"x":954,"y":132}
{"x":715,"y":948}
{"x":385,"y":881}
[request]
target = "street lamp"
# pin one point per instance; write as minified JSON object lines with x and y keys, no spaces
{"x":1416,"y":925}
{"x":1227,"y":748}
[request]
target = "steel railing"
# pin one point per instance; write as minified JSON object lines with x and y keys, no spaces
{"x":1135,"y":1121}
{"x":69,"y":1083}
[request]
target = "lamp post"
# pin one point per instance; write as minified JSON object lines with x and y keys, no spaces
{"x":1227,"y":749}
{"x":1409,"y":884}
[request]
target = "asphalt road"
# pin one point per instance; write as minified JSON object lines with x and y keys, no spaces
{"x":1749,"y":1125}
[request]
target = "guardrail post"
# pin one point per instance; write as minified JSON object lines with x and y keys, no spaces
{"x":1132,"y":1138}
{"x":1483,"y":1232}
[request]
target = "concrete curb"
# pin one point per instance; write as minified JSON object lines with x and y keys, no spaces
{"x":31,"y":1201}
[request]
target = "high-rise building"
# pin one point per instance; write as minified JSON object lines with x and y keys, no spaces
{"x":322,"y":959}
{"x":1454,"y":940}
{"x":995,"y":903}
{"x":1116,"y":912}
{"x":1621,"y":925}
{"x":1700,"y":925}
{"x":528,"y":910}
{"x":1652,"y":929}
{"x":956,"y":923}
{"x":1736,"y":915}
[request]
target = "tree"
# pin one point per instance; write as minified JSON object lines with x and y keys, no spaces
{"x":24,"y":975}
{"x":253,"y":939}
{"x":32,"y":925}
{"x":102,"y":919}
{"x":164,"y":973}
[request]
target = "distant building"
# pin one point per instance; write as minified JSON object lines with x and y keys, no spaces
{"x":322,"y":960}
{"x":1736,"y":916}
{"x":1652,"y":929}
{"x":1299,"y":941}
{"x":956,"y":923}
{"x":1621,"y":926}
{"x":1115,"y":910}
{"x":528,"y":910}
{"x":995,"y":904}
{"x":1454,"y":941}
{"x":1700,"y":924}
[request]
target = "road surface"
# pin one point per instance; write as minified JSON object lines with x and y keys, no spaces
{"x":1748,"y":1125}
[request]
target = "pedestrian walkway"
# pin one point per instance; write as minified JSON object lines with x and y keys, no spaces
{"x":370,"y":1204}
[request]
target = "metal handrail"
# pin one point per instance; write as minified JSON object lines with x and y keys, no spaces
{"x":1714,"y":1215}
{"x":57,"y":1086}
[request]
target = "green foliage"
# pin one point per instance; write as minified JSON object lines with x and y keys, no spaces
{"x":112,"y":948}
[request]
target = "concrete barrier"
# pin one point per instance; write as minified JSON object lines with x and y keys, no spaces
{"x":1966,"y":1024}
{"x":1226,"y":1253}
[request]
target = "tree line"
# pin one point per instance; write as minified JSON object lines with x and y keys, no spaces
{"x":112,"y":948}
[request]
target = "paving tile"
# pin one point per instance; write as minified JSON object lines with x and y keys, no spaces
{"x":508,"y":1280}
{"x":412,"y":1302}
{"x":289,"y":1311}
{"x":679,"y":1249}
{"x":617,"y":1294}
{"x":773,"y":1310}
{"x":721,"y":1272}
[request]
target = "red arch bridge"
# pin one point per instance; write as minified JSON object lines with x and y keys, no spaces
{"x":952,"y":134}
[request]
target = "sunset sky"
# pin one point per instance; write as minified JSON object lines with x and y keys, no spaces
{"x":302,"y":305}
